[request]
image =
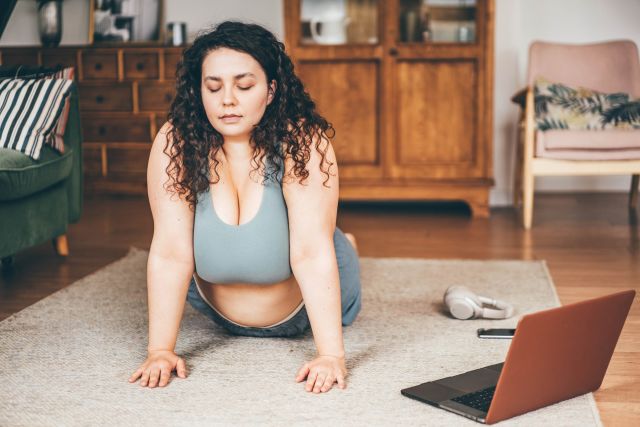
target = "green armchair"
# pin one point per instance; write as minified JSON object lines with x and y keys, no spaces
{"x":40,"y":198}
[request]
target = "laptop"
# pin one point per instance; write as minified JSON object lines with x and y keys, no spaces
{"x":555,"y":355}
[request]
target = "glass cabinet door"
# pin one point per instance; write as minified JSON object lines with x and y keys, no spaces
{"x":437,"y":21}
{"x":338,"y":22}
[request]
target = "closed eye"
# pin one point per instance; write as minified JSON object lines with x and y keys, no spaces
{"x":239,"y":87}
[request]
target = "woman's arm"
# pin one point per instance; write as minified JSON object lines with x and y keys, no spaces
{"x":170,"y":265}
{"x":169,"y":269}
{"x":312,"y":209}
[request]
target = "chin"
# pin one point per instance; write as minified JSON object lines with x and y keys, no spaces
{"x":230,"y":129}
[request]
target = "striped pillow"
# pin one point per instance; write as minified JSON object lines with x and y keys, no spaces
{"x":57,"y":141}
{"x":29,"y":112}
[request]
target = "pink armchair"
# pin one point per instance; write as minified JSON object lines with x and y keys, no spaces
{"x":607,"y":67}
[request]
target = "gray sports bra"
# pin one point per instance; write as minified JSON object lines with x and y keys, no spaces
{"x":254,"y":252}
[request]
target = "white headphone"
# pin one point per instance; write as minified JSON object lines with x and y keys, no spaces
{"x":464,"y":304}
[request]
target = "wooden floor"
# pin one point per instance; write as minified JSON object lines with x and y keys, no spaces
{"x":590,"y":243}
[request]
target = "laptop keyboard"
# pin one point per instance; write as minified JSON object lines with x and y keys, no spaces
{"x":479,"y":400}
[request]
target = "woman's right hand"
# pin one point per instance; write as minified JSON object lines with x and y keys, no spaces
{"x":156,"y":370}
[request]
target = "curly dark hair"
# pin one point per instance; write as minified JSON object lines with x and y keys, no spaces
{"x":290,"y":118}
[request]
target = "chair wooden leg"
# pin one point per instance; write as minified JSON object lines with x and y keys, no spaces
{"x":527,"y":202}
{"x":61,"y":245}
{"x":633,"y":193}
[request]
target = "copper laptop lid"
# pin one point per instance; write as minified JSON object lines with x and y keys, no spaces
{"x":559,"y":353}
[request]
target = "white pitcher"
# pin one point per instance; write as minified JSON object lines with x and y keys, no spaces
{"x":334,"y":29}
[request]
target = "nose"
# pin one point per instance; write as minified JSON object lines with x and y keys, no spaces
{"x":228,"y":96}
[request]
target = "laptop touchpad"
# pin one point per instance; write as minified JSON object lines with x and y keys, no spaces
{"x":431,"y":392}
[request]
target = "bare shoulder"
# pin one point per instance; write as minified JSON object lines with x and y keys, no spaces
{"x":166,"y":127}
{"x":163,"y":135}
{"x":321,"y":160}
{"x":160,"y":169}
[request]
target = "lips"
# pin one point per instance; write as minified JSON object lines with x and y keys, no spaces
{"x":230,"y":118}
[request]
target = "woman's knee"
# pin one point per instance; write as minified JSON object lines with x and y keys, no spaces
{"x":351,"y":312}
{"x":352,"y":239}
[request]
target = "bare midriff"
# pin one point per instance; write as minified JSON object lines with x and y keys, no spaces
{"x":253,"y":305}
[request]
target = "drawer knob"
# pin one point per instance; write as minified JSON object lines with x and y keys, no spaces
{"x":140,"y":66}
{"x":98,"y":66}
{"x":168,"y":97}
{"x":99,"y":99}
{"x":102,"y":130}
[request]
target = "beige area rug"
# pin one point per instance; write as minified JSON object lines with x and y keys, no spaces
{"x":66,"y":359}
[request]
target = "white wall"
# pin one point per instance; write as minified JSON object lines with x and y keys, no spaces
{"x":199,"y":14}
{"x":22,"y":28}
{"x":518,"y":23}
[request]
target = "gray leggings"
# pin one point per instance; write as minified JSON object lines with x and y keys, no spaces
{"x":350,"y":292}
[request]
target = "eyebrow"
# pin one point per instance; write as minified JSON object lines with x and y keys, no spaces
{"x":236,"y":77}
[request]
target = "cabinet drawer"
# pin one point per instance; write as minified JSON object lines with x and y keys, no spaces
{"x":59,"y":58}
{"x":128,"y":164}
{"x":100,"y":65}
{"x":105,"y":97}
{"x":116,"y":128}
{"x":141,"y":65}
{"x":19,"y":57}
{"x":156,"y":96}
{"x":171,"y":60}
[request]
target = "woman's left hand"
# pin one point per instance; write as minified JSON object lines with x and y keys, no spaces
{"x":322,"y":372}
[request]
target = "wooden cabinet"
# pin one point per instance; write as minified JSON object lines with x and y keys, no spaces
{"x":125,"y":93}
{"x":407,"y":86}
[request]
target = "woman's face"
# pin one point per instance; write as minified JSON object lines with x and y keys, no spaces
{"x":234,"y":91}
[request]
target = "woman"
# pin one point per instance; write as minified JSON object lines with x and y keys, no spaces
{"x":261,"y":257}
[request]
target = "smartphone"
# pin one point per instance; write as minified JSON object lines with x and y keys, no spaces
{"x":496,"y":333}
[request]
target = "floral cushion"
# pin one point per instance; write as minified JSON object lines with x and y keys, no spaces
{"x":558,"y":106}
